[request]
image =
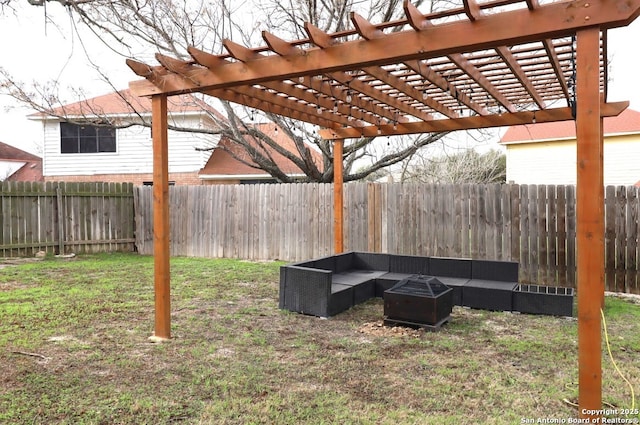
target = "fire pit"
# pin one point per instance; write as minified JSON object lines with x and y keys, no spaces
{"x":418,"y":301}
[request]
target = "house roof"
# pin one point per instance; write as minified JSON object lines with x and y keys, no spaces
{"x":29,"y":172}
{"x":627,"y":122}
{"x":222,"y":164}
{"x":123,"y":102}
{"x":10,"y":153}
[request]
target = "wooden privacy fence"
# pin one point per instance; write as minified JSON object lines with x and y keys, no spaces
{"x":65,"y":217}
{"x":534,"y":225}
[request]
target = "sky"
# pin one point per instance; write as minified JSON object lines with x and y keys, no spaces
{"x":34,"y":51}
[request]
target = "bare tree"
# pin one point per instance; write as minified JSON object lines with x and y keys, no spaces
{"x":136,"y":28}
{"x":467,"y":166}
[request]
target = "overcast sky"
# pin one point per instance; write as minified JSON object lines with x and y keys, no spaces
{"x":33,"y":51}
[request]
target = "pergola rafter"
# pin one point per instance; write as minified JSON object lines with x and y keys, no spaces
{"x":448,"y":76}
{"x":490,"y":64}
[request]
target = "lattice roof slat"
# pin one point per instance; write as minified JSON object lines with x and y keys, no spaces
{"x":489,"y":59}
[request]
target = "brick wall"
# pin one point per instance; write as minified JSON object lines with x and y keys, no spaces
{"x":136,"y":179}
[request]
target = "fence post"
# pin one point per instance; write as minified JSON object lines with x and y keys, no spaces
{"x":61,"y":235}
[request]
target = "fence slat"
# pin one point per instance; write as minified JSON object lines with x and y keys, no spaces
{"x":49,"y":216}
{"x":534,"y":225}
{"x":552,"y":222}
{"x":621,"y":239}
{"x":633,"y":211}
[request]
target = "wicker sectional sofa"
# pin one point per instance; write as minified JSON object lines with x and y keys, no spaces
{"x":329,"y":285}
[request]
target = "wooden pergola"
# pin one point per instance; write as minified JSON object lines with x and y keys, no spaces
{"x":490,"y":64}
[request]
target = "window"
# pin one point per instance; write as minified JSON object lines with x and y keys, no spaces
{"x":87,"y":138}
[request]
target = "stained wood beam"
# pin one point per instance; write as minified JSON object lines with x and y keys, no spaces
{"x":557,"y":68}
{"x":438,"y":80}
{"x":418,"y":22}
{"x":366,"y":89}
{"x":517,"y":70}
{"x":258,"y":98}
{"x":206,"y":59}
{"x":282,"y":46}
{"x":140,"y":69}
{"x":333,"y":94}
{"x":352,"y":107}
{"x":476,"y":75}
{"x":401,"y":86}
{"x":291,"y":90}
{"x":471,"y":9}
{"x":532,"y":4}
{"x":284,"y":105}
{"x":280,"y":105}
{"x":161,"y":247}
{"x":507,"y":28}
{"x":369,"y":32}
{"x":589,"y":223}
{"x":469,"y":123}
{"x":240,"y":52}
{"x":415,"y":18}
{"x":317,"y":36}
{"x":366,"y":29}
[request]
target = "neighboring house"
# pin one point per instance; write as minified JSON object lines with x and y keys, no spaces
{"x":75,"y":149}
{"x":224,"y":168}
{"x":18,"y":165}
{"x":546,"y":153}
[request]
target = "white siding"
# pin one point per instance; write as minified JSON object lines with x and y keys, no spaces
{"x":542,"y":163}
{"x":554,"y":162}
{"x":622,"y":160}
{"x":134,"y":153}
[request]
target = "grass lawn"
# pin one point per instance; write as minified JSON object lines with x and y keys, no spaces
{"x":74,"y":350}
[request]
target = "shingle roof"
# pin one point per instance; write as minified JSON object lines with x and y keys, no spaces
{"x":10,"y":153}
{"x":627,"y":122}
{"x":222,"y":163}
{"x":29,"y":172}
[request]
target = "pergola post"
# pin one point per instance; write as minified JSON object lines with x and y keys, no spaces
{"x":590,"y":220}
{"x":338,"y":219}
{"x":161,"y":218}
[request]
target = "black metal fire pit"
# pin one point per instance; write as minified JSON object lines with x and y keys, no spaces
{"x":418,"y":301}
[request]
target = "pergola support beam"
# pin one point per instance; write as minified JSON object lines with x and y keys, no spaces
{"x":469,"y":123}
{"x":159,"y":129}
{"x":589,"y":222}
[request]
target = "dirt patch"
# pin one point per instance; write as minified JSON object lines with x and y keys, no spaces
{"x":634,"y":298}
{"x":11,"y":286}
{"x":379,"y":329}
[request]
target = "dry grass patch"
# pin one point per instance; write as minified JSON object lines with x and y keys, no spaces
{"x":235,"y":358}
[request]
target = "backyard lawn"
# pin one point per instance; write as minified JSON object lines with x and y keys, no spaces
{"x":74,"y":349}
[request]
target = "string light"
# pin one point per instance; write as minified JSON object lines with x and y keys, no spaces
{"x":335,"y":107}
{"x":348,"y":98}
